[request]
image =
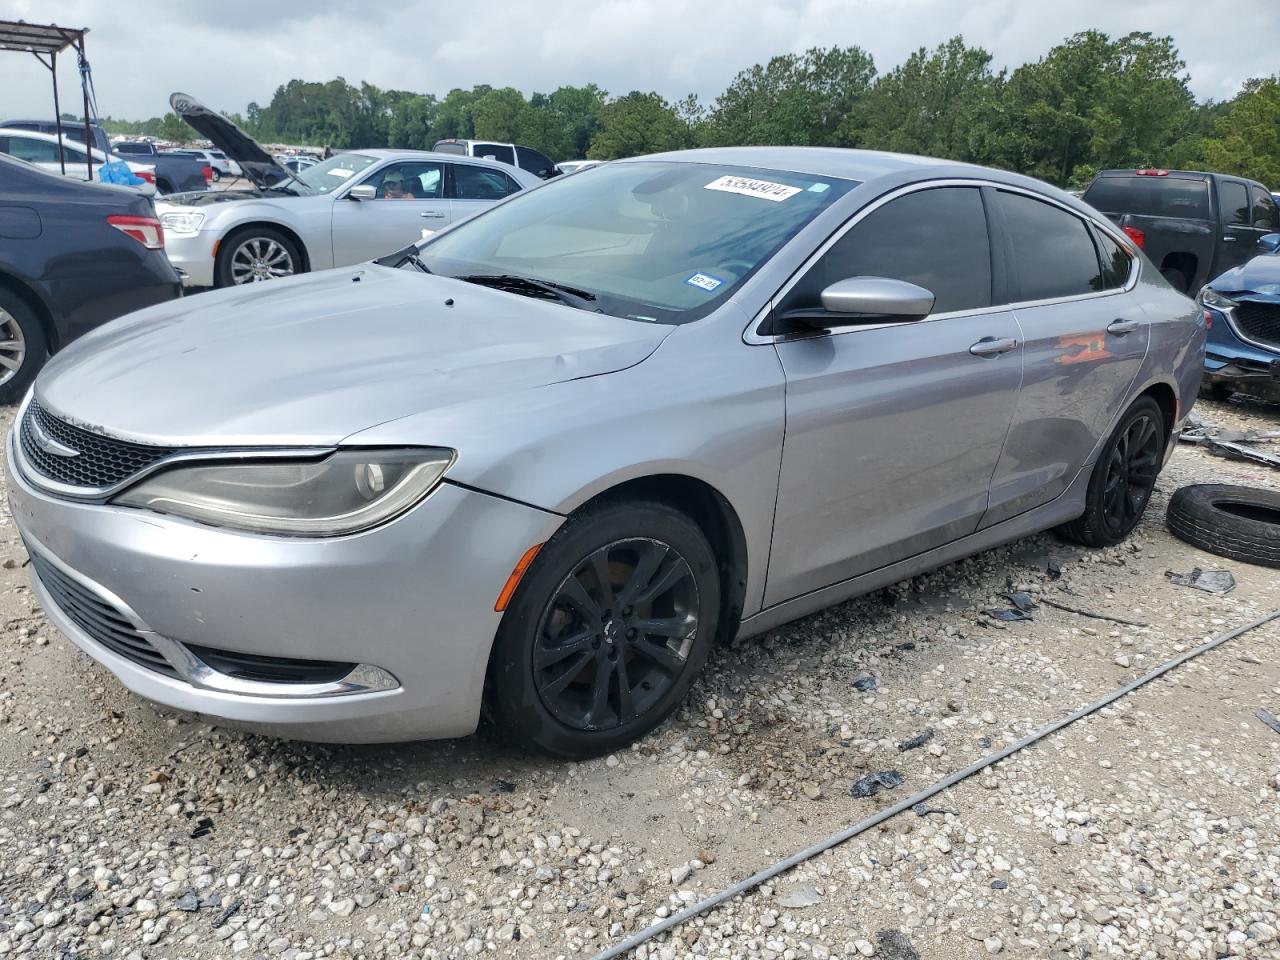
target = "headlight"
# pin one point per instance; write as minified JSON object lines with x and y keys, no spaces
{"x":348,"y":491}
{"x":183,"y":222}
{"x":1208,"y":297}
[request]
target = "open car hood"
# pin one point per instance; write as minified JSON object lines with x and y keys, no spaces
{"x":257,"y":164}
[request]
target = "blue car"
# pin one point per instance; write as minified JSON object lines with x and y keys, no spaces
{"x":1242,"y":311}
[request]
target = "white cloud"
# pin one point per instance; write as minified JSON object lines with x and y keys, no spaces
{"x":235,"y":51}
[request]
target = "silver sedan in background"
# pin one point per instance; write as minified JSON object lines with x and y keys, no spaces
{"x":536,"y":465}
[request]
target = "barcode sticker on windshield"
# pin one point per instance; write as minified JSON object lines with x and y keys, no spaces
{"x":704,"y":281}
{"x":764,"y":189}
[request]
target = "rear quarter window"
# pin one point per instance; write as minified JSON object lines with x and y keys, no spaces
{"x":1150,"y":196}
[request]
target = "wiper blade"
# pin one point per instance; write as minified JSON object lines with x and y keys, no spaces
{"x":531,"y":287}
{"x":408,"y":255}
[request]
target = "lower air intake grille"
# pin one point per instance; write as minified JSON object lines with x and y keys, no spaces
{"x":98,"y":618}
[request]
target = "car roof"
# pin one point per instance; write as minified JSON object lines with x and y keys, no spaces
{"x":50,"y":138}
{"x":839,"y":162}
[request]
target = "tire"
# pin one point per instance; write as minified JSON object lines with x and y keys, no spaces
{"x":236,"y":255}
{"x":538,"y":697}
{"x":22,"y":341}
{"x":1240,"y":523}
{"x":1176,"y":278}
{"x":217,"y":176}
{"x":1115,"y":502}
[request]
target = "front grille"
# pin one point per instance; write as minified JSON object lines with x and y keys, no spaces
{"x":264,"y":669}
{"x":98,"y":618}
{"x":99,"y":462}
{"x":1259,"y":322}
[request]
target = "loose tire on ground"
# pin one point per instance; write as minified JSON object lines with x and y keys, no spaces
{"x":22,"y":342}
{"x":1131,"y":457}
{"x":1240,"y":523}
{"x":538,"y":697}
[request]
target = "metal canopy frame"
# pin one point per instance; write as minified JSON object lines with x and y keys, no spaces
{"x":45,"y":42}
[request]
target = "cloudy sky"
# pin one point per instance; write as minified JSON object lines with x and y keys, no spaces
{"x":230,"y":52}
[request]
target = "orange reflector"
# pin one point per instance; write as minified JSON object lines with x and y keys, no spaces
{"x":216,"y":244}
{"x":513,"y":581}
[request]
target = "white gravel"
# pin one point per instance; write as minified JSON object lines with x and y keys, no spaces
{"x":1149,"y":830}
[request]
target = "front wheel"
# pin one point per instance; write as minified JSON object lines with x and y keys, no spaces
{"x":606,"y":632}
{"x":1123,"y":478}
{"x":254,"y":255}
{"x":217,"y":175}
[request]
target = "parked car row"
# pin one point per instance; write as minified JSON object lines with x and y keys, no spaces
{"x":1217,"y":237}
{"x":67,"y":156}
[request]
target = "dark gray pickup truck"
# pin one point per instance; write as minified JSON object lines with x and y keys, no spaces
{"x":174,"y":173}
{"x":1194,"y":226}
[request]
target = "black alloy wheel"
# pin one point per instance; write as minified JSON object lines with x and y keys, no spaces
{"x":606,"y":631}
{"x":1132,"y":466}
{"x":616,"y":636}
{"x":1123,"y":478}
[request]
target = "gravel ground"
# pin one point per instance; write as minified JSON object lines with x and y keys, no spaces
{"x":1148,"y":830}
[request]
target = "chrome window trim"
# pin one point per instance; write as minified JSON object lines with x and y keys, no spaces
{"x":362,"y":678}
{"x":101,"y":494}
{"x":752,"y":335}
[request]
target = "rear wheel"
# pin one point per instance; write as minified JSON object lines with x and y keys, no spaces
{"x":23,"y":346}
{"x":606,"y":632}
{"x":255,"y":255}
{"x":1123,"y":478}
{"x":217,"y":175}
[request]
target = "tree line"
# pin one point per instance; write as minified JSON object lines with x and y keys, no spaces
{"x":1090,"y":102}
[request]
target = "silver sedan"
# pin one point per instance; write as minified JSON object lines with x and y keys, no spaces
{"x":538,"y":464}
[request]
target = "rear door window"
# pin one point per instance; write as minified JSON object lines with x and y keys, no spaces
{"x":1053,"y":253}
{"x":480,"y":183}
{"x":1236,"y":211}
{"x":1264,"y":211}
{"x":33,"y":151}
{"x":1116,"y":264}
{"x":539,"y":164}
{"x":934,"y":238}
{"x":1150,"y":196}
{"x":495,"y":151}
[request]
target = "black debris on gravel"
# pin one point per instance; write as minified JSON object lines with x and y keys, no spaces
{"x":863,"y":684}
{"x":1053,"y":569}
{"x":1007,"y":615}
{"x":918,"y":741}
{"x":873,"y":783}
{"x":1210,"y":581}
{"x":188,"y":902}
{"x":894,"y":945}
{"x":227,"y":914}
{"x":1268,"y":718}
{"x":1021,"y":600}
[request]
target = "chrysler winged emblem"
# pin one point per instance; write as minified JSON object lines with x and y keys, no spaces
{"x":48,"y":444}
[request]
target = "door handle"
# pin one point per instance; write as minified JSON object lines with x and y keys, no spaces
{"x":993,"y":346}
{"x":1120,"y":326}
{"x":432,"y":215}
{"x":1230,"y":239}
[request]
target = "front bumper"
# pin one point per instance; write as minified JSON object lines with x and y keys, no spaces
{"x":192,"y":255}
{"x":413,"y":598}
{"x":1237,"y":362}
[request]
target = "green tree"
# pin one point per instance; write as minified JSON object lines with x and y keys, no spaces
{"x":635,"y":124}
{"x":577,"y":112}
{"x":1093,"y":102}
{"x":793,"y":99}
{"x":1246,"y":138}
{"x":937,"y":103}
{"x":412,"y":122}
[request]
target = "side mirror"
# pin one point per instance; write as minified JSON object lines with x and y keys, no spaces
{"x":1269,"y":242}
{"x":363,"y":191}
{"x":859,"y":300}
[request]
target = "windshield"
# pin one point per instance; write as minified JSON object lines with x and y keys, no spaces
{"x":329,"y":175}
{"x":649,"y":240}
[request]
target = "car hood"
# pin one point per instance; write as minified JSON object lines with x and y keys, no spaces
{"x":1260,"y":276}
{"x":255,"y":163}
{"x":313,"y":359}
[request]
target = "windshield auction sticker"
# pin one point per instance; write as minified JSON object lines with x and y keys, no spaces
{"x":704,"y":281}
{"x":764,"y":189}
